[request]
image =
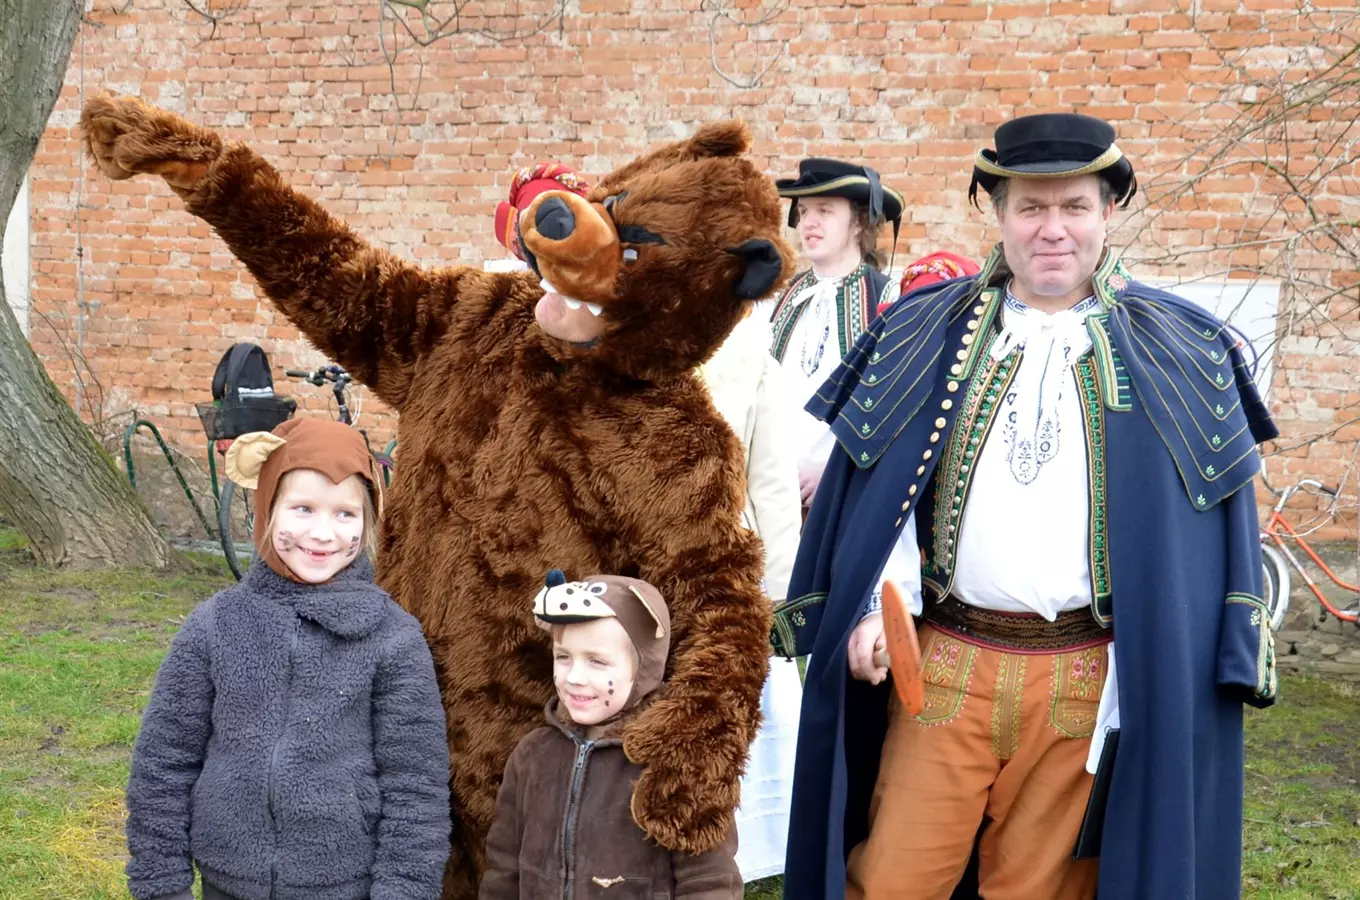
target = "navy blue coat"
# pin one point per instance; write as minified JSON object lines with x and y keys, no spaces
{"x":1178,"y":560}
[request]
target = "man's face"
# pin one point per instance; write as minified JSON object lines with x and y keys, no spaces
{"x":827,"y":229}
{"x":1054,"y":232}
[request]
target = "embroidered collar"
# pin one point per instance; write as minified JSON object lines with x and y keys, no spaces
{"x":816,"y":284}
{"x":1032,"y":428}
{"x":1015,"y":305}
{"x":1022,"y":324}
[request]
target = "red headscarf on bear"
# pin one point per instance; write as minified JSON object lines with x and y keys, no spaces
{"x":527,"y":184}
{"x":939,"y":266}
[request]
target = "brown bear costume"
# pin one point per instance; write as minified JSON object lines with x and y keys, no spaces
{"x":521,"y":453}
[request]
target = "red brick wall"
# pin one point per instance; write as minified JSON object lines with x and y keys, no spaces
{"x":913,"y":86}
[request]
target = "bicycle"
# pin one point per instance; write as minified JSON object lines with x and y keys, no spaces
{"x":236,"y":531}
{"x":1277,"y":559}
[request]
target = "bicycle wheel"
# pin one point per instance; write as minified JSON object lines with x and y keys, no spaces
{"x":236,"y":525}
{"x":1275,"y":584}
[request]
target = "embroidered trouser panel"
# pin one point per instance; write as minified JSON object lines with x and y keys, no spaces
{"x":1001,"y":744}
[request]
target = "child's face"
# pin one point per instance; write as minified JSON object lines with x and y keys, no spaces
{"x":593,"y":669}
{"x":318,"y":524}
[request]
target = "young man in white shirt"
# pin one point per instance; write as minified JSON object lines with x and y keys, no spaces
{"x":838,"y":211}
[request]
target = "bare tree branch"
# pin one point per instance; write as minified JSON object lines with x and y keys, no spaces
{"x":212,"y":17}
{"x":722,"y":13}
{"x":1282,"y":141}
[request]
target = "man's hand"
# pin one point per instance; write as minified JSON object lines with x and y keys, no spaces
{"x":807,"y":484}
{"x":866,"y":641}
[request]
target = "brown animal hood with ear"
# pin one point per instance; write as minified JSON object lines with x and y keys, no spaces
{"x":670,"y":248}
{"x":259,"y":460}
{"x":635,"y":604}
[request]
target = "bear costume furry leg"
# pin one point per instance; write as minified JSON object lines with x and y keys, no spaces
{"x":521,"y":453}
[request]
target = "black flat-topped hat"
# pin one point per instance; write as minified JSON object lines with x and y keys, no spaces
{"x":1054,"y":145}
{"x":818,"y":177}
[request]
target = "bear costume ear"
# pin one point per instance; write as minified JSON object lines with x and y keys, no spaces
{"x":728,"y":138}
{"x":246,"y":456}
{"x":763,"y":266}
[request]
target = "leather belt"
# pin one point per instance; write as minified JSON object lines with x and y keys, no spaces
{"x":1011,"y":632}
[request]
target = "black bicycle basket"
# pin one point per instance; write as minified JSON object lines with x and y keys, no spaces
{"x":243,"y":396}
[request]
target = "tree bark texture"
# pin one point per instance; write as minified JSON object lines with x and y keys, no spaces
{"x":57,"y":485}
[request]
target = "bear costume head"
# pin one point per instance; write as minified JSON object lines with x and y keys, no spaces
{"x":668,"y":271}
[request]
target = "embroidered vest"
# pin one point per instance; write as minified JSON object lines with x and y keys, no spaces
{"x":856,"y":306}
{"x":947,"y":493}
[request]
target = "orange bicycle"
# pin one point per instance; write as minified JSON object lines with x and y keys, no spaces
{"x":1278,"y":558}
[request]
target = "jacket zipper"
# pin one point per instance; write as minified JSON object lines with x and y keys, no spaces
{"x":578,"y":774}
{"x":274,"y":755}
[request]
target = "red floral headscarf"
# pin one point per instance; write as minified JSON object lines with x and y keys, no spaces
{"x":527,"y":184}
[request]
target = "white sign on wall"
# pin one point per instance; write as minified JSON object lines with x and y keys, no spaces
{"x":14,"y":257}
{"x":504,"y":264}
{"x":1249,"y":305}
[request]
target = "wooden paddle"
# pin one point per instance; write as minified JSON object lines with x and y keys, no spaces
{"x":902,"y":655}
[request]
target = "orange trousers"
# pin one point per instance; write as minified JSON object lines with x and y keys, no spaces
{"x":1002,"y":740}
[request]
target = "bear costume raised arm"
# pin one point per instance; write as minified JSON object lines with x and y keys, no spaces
{"x":522,"y":452}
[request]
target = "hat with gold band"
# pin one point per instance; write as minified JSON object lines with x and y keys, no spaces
{"x":1054,"y":145}
{"x":818,"y":177}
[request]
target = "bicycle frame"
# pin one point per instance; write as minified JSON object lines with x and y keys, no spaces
{"x":1277,"y":528}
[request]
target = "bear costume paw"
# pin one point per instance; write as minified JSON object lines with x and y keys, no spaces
{"x":690,"y":783}
{"x":126,"y":136}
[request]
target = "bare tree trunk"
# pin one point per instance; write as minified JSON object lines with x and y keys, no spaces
{"x":57,"y":485}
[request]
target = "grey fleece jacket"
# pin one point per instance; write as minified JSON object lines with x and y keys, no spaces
{"x":294,"y":748}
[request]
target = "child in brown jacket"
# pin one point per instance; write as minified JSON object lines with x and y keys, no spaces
{"x":564,"y":825}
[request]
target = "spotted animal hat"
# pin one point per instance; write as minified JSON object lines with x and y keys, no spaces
{"x":637,"y":606}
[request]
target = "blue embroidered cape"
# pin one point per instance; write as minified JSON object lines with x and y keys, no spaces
{"x":1181,"y":419}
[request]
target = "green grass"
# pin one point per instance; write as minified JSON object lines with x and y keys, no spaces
{"x":1302,"y":834}
{"x":78,"y":652}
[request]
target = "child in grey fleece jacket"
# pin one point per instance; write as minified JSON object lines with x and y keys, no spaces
{"x":294,"y":745}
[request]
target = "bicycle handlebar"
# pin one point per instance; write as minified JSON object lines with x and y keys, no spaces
{"x":338,"y":377}
{"x":1309,"y":482}
{"x":1286,"y":493}
{"x":322,"y":375}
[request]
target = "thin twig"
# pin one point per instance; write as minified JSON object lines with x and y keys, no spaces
{"x":721,"y":12}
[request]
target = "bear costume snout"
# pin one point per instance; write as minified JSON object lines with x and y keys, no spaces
{"x":554,"y":220}
{"x":572,"y":245}
{"x":670,"y":271}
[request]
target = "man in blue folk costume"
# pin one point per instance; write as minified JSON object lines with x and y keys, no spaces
{"x":1075,"y":450}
